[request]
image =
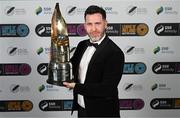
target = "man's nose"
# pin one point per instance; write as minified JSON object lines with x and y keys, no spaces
{"x":93,"y":28}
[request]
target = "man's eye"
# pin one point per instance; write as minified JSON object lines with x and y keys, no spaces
{"x":88,"y":24}
{"x":98,"y":23}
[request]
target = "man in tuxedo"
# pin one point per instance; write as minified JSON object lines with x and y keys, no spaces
{"x":97,"y":68}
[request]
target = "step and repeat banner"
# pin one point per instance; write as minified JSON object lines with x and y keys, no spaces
{"x":148,"y":32}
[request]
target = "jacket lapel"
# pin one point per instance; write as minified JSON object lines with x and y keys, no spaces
{"x":79,"y":57}
{"x":97,"y":52}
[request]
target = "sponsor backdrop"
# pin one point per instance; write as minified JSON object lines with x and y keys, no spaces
{"x":146,"y":30}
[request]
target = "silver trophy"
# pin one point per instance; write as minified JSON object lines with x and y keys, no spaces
{"x":60,"y":67}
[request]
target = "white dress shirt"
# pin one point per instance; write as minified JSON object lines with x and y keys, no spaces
{"x":84,"y":66}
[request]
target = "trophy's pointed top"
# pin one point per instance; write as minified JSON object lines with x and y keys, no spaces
{"x":57,"y":6}
{"x":57,"y":10}
{"x":58,"y":26}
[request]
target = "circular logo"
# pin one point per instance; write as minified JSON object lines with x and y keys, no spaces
{"x":42,"y":69}
{"x":24,"y":69}
{"x":157,"y":68}
{"x":41,"y":30}
{"x":22,"y":30}
{"x":140,"y":68}
{"x":138,"y":104}
{"x":81,"y":30}
{"x":155,"y":103}
{"x":159,"y":29}
{"x":142,"y":29}
{"x":43,"y":105}
{"x":27,"y":105}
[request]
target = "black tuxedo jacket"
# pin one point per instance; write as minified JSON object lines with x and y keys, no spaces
{"x":102,"y":78}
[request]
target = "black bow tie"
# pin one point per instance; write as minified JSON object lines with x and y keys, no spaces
{"x":92,"y":44}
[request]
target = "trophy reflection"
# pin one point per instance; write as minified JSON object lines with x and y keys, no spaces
{"x":60,"y":67}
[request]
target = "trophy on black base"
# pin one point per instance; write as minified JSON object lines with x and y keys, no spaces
{"x":60,"y":67}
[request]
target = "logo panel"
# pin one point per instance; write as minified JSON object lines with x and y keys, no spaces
{"x":16,"y":106}
{"x":13,"y":30}
{"x":16,"y":69}
{"x":134,"y":68}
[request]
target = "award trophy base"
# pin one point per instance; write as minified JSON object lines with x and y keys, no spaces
{"x":59,"y":73}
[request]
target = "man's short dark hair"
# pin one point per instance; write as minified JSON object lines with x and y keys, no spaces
{"x":95,"y":9}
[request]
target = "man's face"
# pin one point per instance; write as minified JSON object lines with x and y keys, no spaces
{"x":95,"y":26}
